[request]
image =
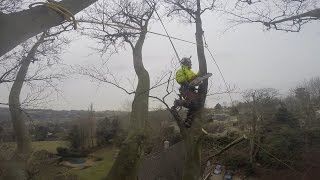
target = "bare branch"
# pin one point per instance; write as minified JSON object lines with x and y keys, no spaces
{"x":233,"y":143}
{"x":281,"y":15}
{"x":102,"y":76}
{"x":161,"y":100}
{"x":129,"y":20}
{"x":183,"y":9}
{"x":9,"y":6}
{"x":210,"y":7}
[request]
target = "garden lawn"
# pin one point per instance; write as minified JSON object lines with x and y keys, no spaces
{"x":100,"y":168}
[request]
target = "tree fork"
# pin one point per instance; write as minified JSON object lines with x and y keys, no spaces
{"x":127,"y":164}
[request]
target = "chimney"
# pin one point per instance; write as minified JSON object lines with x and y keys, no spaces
{"x":166,"y":144}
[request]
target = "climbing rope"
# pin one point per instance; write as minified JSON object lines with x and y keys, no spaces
{"x":214,"y":60}
{"x":65,"y":12}
{"x":206,"y":46}
{"x":70,"y":17}
{"x":165,"y":29}
{"x":134,"y":28}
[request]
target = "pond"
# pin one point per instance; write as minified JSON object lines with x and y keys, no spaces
{"x":75,"y":160}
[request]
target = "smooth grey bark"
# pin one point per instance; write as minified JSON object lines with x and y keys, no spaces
{"x":140,"y":104}
{"x":19,"y":26}
{"x":21,"y":131}
{"x":203,"y":88}
{"x":192,"y":140}
{"x":127,"y":163}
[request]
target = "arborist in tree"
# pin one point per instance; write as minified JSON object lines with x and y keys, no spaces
{"x":184,"y":76}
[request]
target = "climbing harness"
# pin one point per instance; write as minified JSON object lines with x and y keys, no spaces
{"x":65,"y":12}
{"x":206,"y":46}
{"x":176,"y":52}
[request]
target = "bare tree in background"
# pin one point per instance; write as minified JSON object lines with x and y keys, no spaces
{"x":257,"y":100}
{"x":41,"y":76}
{"x":131,"y":20}
{"x":307,"y":102}
{"x":313,"y":87}
{"x":9,"y":66}
{"x":18,"y":26}
{"x":45,"y":47}
{"x":286,"y":15}
{"x":9,"y":6}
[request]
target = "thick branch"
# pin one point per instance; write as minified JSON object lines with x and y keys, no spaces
{"x":312,"y":14}
{"x":20,"y":26}
{"x":233,"y":143}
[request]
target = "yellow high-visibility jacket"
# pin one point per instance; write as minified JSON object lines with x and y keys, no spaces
{"x":184,"y":75}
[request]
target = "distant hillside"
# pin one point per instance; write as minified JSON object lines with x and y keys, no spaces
{"x":156,"y":118}
{"x":56,"y":116}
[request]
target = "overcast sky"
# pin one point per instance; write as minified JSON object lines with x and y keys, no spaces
{"x":248,"y":56}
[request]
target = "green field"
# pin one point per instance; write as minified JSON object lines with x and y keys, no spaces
{"x":96,"y":172}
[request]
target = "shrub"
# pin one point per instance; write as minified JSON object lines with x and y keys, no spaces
{"x":75,"y":137}
{"x":41,"y":133}
{"x":119,"y":138}
{"x":107,"y":131}
{"x":62,"y":151}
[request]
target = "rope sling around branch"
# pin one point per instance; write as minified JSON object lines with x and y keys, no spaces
{"x":55,"y":7}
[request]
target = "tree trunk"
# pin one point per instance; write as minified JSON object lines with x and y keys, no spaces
{"x":203,"y":88}
{"x":252,"y":149}
{"x":21,"y":131}
{"x":19,"y":26}
{"x":254,"y":131}
{"x":127,"y":163}
{"x":139,"y":114}
{"x":192,"y":167}
{"x":252,"y":140}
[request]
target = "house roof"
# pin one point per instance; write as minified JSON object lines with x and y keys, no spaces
{"x":164,"y":165}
